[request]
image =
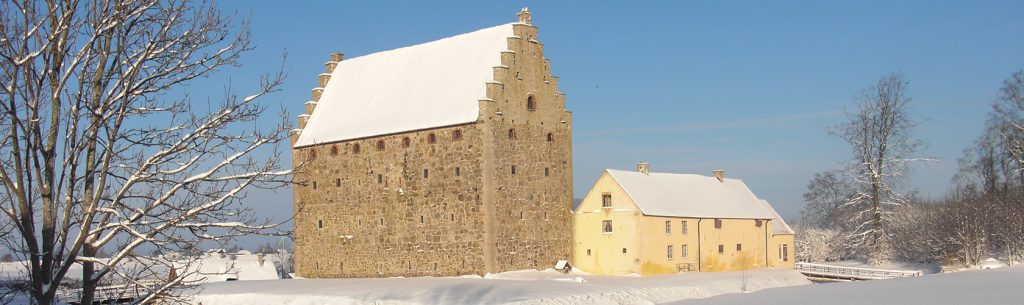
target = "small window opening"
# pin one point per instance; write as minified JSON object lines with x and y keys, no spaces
{"x":606,"y":200}
{"x":670,"y":252}
{"x":606,"y":226}
{"x":320,"y":224}
{"x":551,"y":137}
{"x":426,"y":173}
{"x":531,"y":104}
{"x":623,"y":250}
{"x":588,"y":252}
{"x":334,"y":150}
{"x":546,"y":172}
{"x":668,"y":227}
{"x":314,"y":185}
{"x":421,"y":218}
{"x":758,"y":223}
{"x":718,"y":223}
{"x":312,"y":154}
{"x":431,"y":138}
{"x":683,"y":227}
{"x":380,"y":179}
{"x":382,"y":221}
{"x":457,"y":135}
{"x":337,"y":182}
{"x":380,"y":145}
{"x":453,"y":217}
{"x":458,"y":172}
{"x":721,"y":248}
{"x":513,"y":169}
{"x":355,"y":148}
{"x":521,"y":216}
{"x":512,"y":134}
{"x":739,"y":247}
{"x":406,"y":142}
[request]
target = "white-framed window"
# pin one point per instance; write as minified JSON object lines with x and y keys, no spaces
{"x":606,"y":200}
{"x":670,"y":252}
{"x":685,"y":251}
{"x":606,"y":226}
{"x":784,"y":252}
{"x":683,"y":228}
{"x":668,"y":227}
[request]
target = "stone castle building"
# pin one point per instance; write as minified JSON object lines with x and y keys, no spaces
{"x":445,"y":158}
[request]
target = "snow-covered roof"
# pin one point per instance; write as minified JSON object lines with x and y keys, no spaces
{"x":779,"y":226}
{"x":435,"y":84}
{"x":688,"y":195}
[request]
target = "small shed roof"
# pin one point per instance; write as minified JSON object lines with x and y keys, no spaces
{"x":689,"y":195}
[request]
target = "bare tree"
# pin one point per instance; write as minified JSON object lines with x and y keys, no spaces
{"x":826,"y":194}
{"x":97,"y":153}
{"x":878,"y":133}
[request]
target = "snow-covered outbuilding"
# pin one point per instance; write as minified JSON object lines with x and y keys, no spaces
{"x":658,"y":223}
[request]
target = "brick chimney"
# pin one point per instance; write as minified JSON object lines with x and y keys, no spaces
{"x":720,"y":175}
{"x":643,"y":168}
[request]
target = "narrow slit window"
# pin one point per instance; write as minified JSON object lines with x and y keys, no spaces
{"x":546,"y":172}
{"x":551,"y":137}
{"x":320,"y":224}
{"x":513,"y":169}
{"x":458,"y":172}
{"x":426,"y":173}
{"x":337,"y":182}
{"x":314,"y":185}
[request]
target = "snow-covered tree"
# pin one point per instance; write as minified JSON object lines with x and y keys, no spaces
{"x":101,"y":149}
{"x":879,"y":134}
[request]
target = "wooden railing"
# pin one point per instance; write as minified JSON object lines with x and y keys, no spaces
{"x":110,"y":293}
{"x":851,"y":273}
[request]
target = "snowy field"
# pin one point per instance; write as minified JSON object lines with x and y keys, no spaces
{"x":1003,"y":286}
{"x":519,"y":287}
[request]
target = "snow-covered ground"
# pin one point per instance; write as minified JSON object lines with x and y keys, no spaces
{"x":519,"y":287}
{"x":991,"y":287}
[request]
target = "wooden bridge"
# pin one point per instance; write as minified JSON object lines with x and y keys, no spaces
{"x":842,"y":273}
{"x":112,"y":294}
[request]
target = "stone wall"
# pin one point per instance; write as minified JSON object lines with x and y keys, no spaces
{"x":449,"y":207}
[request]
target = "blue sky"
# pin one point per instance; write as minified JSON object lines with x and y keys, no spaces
{"x":749,"y":87}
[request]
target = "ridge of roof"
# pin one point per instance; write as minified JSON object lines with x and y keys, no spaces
{"x":428,"y":85}
{"x":689,"y":195}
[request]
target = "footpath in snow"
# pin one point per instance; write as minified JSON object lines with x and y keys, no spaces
{"x":1003,"y":286}
{"x":519,"y":287}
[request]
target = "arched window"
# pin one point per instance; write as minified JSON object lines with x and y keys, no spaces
{"x":355,"y":148}
{"x":431,"y":138}
{"x":406,"y":142}
{"x":380,"y":145}
{"x":456,"y":134}
{"x":334,"y":150}
{"x":551,"y":137}
{"x":512,"y":134}
{"x":531,"y":103}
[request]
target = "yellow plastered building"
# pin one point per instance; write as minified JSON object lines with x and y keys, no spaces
{"x":638,"y":222}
